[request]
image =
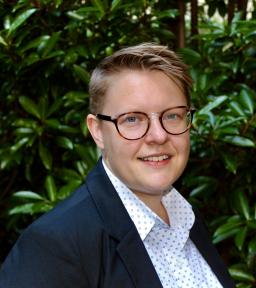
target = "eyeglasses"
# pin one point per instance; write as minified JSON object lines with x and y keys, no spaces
{"x":135,"y":125}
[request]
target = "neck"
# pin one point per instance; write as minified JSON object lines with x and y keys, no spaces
{"x":155,"y":204}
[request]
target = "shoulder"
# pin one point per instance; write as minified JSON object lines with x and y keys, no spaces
{"x":73,"y":216}
{"x":72,"y":230}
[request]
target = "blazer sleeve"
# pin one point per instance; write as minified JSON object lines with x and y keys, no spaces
{"x":41,"y":259}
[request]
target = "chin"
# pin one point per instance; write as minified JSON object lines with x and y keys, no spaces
{"x":159,"y":190}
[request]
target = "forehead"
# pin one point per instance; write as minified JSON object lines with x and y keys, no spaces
{"x":143,"y":90}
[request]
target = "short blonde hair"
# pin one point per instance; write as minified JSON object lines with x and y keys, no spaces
{"x":146,"y":56}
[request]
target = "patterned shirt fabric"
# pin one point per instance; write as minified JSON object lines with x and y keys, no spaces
{"x":176,"y":259}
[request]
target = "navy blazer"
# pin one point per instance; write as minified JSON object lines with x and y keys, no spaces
{"x":89,"y":240}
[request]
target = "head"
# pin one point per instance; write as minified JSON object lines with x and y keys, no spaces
{"x":145,"y":78}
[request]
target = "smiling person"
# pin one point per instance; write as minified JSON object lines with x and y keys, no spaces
{"x":126,"y":226}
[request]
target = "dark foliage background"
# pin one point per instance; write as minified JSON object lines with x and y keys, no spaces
{"x":47,"y":51}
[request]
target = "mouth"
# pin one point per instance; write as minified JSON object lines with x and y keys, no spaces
{"x":155,"y":158}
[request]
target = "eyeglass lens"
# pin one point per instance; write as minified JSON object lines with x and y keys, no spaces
{"x":135,"y":125}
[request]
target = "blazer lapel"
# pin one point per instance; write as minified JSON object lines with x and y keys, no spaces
{"x":200,"y":237}
{"x":118,"y":224}
{"x":137,"y":261}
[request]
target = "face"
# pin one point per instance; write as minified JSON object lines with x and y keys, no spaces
{"x":150,"y":165}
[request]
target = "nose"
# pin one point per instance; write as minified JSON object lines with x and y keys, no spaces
{"x":156,"y":133}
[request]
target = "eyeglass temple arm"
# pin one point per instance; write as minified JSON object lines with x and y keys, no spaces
{"x":104,"y":117}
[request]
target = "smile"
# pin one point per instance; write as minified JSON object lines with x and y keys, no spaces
{"x":155,"y":158}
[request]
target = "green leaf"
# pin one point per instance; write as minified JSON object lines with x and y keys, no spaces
{"x":2,"y":41}
{"x":200,"y":189}
{"x":90,"y":154}
{"x":29,"y":106}
{"x":230,"y":160}
{"x":30,"y":208}
{"x":35,"y":43}
{"x":53,"y":123}
{"x":82,"y":167}
{"x":226,"y":230}
{"x":51,"y":188}
{"x":84,"y":127}
{"x":100,"y":6}
{"x":214,"y":104}
{"x":45,"y":156}
{"x":58,"y":3}
{"x":190,"y":56}
{"x":239,"y":273}
{"x":244,"y":204}
{"x":55,"y":107}
{"x":69,"y":175}
{"x":67,"y":189}
{"x":243,"y":285}
{"x":239,"y":141}
{"x":69,"y":129}
{"x":20,"y":19}
{"x":75,"y":15}
{"x":49,"y":44}
{"x":252,"y":246}
{"x":31,"y":59}
{"x":64,"y":142}
{"x":225,"y":235}
{"x":227,"y":46}
{"x":82,"y":73}
{"x":234,"y":219}
{"x":227,"y":227}
{"x":236,"y":65}
{"x":28,"y":195}
{"x":226,"y":130}
{"x":73,"y":98}
{"x":115,"y":5}
{"x":42,"y":107}
{"x":163,"y":33}
{"x":202,"y":82}
{"x":23,"y":131}
{"x":19,"y":144}
{"x":236,"y":107}
{"x":247,"y":100}
{"x":169,"y":13}
{"x":240,"y":238}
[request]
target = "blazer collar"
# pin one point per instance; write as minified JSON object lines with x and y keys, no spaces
{"x":120,"y":226}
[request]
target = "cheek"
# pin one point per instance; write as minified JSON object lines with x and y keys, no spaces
{"x":182,"y":145}
{"x":116,"y":148}
{"x":123,"y":150}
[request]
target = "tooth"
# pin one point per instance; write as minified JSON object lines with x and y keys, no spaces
{"x":155,"y":158}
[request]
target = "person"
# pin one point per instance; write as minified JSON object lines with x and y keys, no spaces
{"x":126,"y":226}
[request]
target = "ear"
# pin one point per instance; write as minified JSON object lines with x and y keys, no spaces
{"x":95,"y":128}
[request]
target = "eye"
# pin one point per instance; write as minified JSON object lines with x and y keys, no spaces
{"x":131,"y":119}
{"x":172,"y":116}
{"x":175,"y":115}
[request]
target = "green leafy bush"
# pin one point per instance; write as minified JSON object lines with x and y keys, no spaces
{"x":47,"y":51}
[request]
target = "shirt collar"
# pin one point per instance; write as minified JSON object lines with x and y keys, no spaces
{"x":178,"y":209}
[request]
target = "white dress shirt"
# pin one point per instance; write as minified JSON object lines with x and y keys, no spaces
{"x":176,"y":259}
